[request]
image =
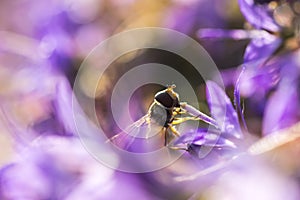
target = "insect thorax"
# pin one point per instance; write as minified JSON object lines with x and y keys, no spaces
{"x":160,"y":115}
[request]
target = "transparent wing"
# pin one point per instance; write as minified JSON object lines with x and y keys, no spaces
{"x":125,"y":138}
{"x":141,"y":136}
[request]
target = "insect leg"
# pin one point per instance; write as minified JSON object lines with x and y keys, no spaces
{"x":182,"y":111}
{"x":175,"y":132}
{"x":173,"y":129}
{"x":183,"y":119}
{"x":177,"y":148}
{"x":166,"y":136}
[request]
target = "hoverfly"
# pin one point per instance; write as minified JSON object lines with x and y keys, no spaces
{"x":162,"y":116}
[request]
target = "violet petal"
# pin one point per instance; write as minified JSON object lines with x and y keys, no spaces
{"x":258,"y":16}
{"x":261,"y":47}
{"x":286,"y":102}
{"x":236,"y":34}
{"x":191,"y":137}
{"x":223,"y":111}
{"x":218,"y":141}
{"x":257,"y":81}
{"x":63,"y":104}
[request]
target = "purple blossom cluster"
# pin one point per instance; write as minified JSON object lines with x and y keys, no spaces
{"x":249,"y":152}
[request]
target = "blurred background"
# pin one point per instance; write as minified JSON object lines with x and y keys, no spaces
{"x":43,"y":41}
{"x":42,"y":45}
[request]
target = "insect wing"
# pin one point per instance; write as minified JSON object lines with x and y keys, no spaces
{"x":141,"y":136}
{"x":125,"y":138}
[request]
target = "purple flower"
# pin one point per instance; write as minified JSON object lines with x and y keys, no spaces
{"x":258,"y":15}
{"x":190,"y":16}
{"x":282,"y":108}
{"x":223,"y":112}
{"x":278,"y":61}
{"x":42,"y":106}
{"x":51,"y":163}
{"x":243,"y":180}
{"x":58,"y":167}
{"x":271,"y":53}
{"x":228,"y":127}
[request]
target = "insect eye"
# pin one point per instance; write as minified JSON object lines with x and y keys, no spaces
{"x":167,"y":100}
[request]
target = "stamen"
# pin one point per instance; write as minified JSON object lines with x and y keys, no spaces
{"x":284,"y":15}
{"x":272,"y":5}
{"x":296,"y":7}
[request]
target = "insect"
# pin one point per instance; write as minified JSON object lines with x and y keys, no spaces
{"x":163,"y":114}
